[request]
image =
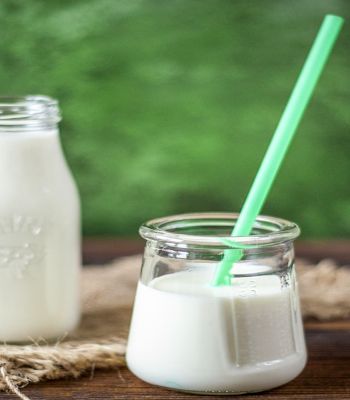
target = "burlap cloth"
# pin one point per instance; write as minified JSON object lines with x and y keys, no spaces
{"x":107,"y":296}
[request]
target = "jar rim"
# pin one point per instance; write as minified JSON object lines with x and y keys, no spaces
{"x":28,"y":111}
{"x":163,"y":229}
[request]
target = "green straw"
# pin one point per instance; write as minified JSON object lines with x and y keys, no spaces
{"x":282,"y":137}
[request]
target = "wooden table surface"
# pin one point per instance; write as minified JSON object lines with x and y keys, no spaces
{"x":326,"y":376}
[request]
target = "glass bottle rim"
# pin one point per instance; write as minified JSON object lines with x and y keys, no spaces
{"x":28,"y":112}
{"x":267,"y":230}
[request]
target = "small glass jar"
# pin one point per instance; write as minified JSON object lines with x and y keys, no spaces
{"x":187,"y":334}
{"x":39,"y":224}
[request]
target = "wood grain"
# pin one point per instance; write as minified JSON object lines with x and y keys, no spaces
{"x":101,"y":250}
{"x":326,"y":376}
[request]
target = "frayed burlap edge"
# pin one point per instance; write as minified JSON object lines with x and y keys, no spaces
{"x":22,"y":365}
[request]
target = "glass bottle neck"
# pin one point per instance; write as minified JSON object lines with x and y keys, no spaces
{"x":24,"y":155}
{"x":29,"y":141}
{"x":28,"y":114}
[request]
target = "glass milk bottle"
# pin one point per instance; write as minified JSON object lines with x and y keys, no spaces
{"x":189,"y":335}
{"x":39,"y":224}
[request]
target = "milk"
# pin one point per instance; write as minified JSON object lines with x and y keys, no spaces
{"x":188,"y":335}
{"x":39,"y":238}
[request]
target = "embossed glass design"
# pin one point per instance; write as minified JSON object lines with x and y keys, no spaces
{"x":188,"y":335}
{"x":39,"y":224}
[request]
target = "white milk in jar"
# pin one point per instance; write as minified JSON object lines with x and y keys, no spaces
{"x":188,"y":335}
{"x":39,"y":224}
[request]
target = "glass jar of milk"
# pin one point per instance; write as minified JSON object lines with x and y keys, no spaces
{"x":186,"y":334}
{"x":39,"y":224}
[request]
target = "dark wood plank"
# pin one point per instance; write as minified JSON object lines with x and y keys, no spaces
{"x":316,"y":250}
{"x":101,"y":250}
{"x":327,"y":375}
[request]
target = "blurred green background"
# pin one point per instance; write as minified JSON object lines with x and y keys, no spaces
{"x":169,"y":105}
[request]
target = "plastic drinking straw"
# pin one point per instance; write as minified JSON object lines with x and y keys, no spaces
{"x":281,"y":139}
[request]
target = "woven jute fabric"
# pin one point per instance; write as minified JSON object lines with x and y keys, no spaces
{"x":107,"y":296}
